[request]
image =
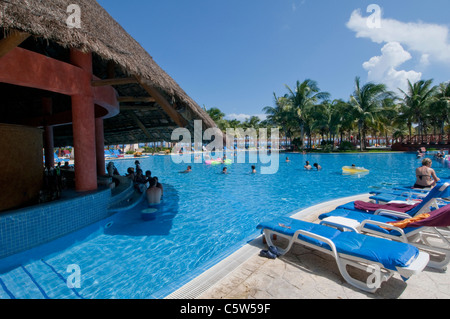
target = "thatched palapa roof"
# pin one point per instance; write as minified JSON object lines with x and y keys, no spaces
{"x":143,"y":117}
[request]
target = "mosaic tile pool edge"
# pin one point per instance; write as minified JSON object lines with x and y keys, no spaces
{"x":27,"y":228}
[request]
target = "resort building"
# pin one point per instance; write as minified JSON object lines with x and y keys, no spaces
{"x":70,"y":75}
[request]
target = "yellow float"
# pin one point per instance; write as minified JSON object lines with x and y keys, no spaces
{"x":354,"y":170}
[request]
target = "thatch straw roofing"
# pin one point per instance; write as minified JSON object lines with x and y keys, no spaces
{"x":102,"y":35}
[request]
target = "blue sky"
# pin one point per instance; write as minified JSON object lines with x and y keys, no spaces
{"x":234,"y":54}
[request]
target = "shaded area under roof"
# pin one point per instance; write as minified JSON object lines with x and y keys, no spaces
{"x":152,"y":103}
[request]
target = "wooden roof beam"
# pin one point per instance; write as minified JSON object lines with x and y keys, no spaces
{"x":141,"y":125}
{"x":138,"y":108}
{"x":134,"y":99}
{"x":162,"y":101}
{"x":116,"y":81}
{"x":12,"y":41}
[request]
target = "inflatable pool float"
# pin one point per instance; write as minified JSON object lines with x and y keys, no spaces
{"x":354,"y":170}
{"x":214,"y":161}
{"x":227,"y":161}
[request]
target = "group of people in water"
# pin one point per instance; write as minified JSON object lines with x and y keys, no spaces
{"x":309,"y":167}
{"x":142,"y":182}
{"x":253,"y":167}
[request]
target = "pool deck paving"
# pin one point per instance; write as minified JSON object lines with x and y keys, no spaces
{"x":303,"y":273}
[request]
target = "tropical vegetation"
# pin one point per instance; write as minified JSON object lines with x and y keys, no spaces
{"x":306,"y":113}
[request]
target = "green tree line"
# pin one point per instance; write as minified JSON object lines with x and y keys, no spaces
{"x":371,"y":110}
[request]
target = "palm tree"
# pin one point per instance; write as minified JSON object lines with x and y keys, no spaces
{"x":304,"y":97}
{"x":279,"y":115}
{"x":440,"y":107}
{"x":215,"y":114}
{"x":344,"y":119}
{"x":321,"y":115}
{"x":390,"y":110}
{"x":366,"y":103}
{"x":218,"y":117}
{"x":417,"y":100}
{"x":234,"y":123}
{"x":252,"y":122}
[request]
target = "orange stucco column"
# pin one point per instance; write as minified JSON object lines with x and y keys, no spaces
{"x":100,"y":146}
{"x":83,"y":120}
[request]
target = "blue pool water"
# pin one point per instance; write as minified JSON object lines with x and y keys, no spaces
{"x":205,"y":215}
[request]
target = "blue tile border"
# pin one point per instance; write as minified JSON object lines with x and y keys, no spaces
{"x":29,"y":227}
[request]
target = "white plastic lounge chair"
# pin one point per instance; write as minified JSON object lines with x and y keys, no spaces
{"x":58,"y":159}
{"x":411,"y":189}
{"x":397,"y":196}
{"x":398,"y":193}
{"x":434,"y":199}
{"x":431,"y":236}
{"x":396,"y":189}
{"x":350,"y":248}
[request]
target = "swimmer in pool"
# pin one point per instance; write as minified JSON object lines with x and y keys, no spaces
{"x":188,"y":170}
{"x":307,"y":166}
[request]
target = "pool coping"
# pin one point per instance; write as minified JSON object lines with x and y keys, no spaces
{"x":212,"y":276}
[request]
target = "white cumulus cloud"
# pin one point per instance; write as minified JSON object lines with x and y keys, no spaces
{"x":424,"y":38}
{"x":243,"y":117}
{"x":383,"y":68}
{"x":428,"y":42}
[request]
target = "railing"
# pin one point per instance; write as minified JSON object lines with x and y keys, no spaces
{"x":426,"y":140}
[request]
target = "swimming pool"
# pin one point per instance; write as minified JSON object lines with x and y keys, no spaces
{"x":205,"y":215}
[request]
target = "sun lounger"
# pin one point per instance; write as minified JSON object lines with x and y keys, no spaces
{"x":110,"y":154}
{"x":412,"y":189}
{"x":58,"y":159}
{"x":117,"y":153}
{"x":433,"y":200}
{"x":350,"y":249}
{"x":382,"y":198}
{"x":428,"y":232}
{"x":400,"y":190}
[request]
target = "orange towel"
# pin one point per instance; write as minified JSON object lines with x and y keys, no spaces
{"x":404,"y":223}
